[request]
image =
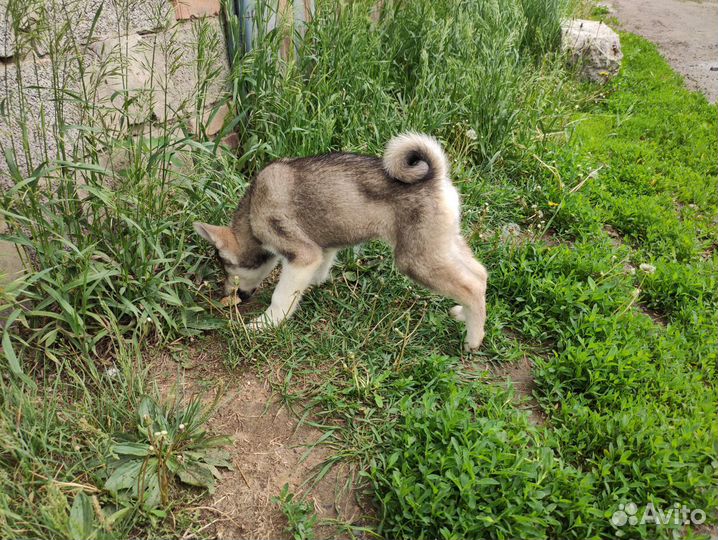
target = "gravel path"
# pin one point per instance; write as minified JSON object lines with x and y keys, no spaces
{"x":686,"y":32}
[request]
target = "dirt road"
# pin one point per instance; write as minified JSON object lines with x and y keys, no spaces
{"x":686,"y":31}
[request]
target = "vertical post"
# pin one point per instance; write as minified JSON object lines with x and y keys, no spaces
{"x":247,"y":13}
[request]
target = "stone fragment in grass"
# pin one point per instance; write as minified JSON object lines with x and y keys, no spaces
{"x":593,"y":47}
{"x":647,"y":268}
{"x":11,"y":265}
{"x":231,"y":300}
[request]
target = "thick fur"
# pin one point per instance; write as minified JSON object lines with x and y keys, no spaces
{"x":303,"y":210}
{"x":411,"y":157}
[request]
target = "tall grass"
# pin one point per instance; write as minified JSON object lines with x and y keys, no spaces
{"x":100,"y":191}
{"x":361,"y":75}
{"x":102,"y":214}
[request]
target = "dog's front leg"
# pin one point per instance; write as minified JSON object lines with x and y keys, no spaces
{"x":322,"y":273}
{"x":293,"y":281}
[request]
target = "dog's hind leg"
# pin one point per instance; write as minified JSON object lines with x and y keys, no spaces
{"x":466,"y":256}
{"x":296,"y":276}
{"x":454,"y":280}
{"x":322,"y":273}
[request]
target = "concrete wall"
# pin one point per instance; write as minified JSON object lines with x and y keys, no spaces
{"x":119,"y":66}
{"x":109,"y":52}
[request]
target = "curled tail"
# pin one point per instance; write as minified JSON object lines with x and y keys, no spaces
{"x":414,"y":157}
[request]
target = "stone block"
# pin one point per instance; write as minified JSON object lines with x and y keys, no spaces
{"x":11,"y":265}
{"x":121,"y":74}
{"x":130,"y":81}
{"x":79,"y":21}
{"x":231,"y":141}
{"x":211,"y":120}
{"x":28,"y":126}
{"x":195,"y":9}
{"x":593,"y":47}
{"x":161,"y":73}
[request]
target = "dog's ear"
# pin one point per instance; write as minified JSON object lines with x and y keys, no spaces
{"x":219,"y":237}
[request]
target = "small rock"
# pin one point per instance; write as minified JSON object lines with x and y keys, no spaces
{"x":593,"y":47}
{"x":212,"y":120}
{"x":231,"y":141}
{"x":647,"y":268}
{"x":112,"y":372}
{"x":12,"y":266}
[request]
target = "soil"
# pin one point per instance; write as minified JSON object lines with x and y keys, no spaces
{"x":686,"y":32}
{"x":269,"y":446}
{"x":520,"y":376}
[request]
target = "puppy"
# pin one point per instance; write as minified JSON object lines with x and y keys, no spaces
{"x":303,"y":210}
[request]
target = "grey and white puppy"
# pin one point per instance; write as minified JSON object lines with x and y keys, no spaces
{"x":303,"y":210}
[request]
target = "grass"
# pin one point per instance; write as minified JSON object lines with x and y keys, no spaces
{"x":627,"y":381}
{"x":436,"y":67}
{"x":604,"y":185}
{"x":180,"y":449}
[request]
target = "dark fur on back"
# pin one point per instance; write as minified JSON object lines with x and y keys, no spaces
{"x":333,"y":200}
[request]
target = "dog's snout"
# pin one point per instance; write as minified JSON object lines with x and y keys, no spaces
{"x":245,"y":295}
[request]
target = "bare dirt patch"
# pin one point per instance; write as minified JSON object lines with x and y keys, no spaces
{"x":661,"y":319}
{"x":614,"y":235}
{"x":520,"y":376}
{"x":686,"y":34}
{"x":268,"y":450}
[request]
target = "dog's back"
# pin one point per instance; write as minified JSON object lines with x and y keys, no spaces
{"x":342,"y":199}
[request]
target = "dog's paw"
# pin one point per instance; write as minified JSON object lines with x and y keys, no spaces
{"x":259,"y":324}
{"x":255,"y":325}
{"x":457,"y":312}
{"x":473,"y":343}
{"x":320,"y":279}
{"x":471,"y":348}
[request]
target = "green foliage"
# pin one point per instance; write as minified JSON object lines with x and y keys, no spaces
{"x":631,"y":382}
{"x":441,"y":67}
{"x":110,"y":261}
{"x":462,"y":463}
{"x":170,"y":442}
{"x":301,"y":517}
{"x":52,"y":446}
{"x":88,"y":521}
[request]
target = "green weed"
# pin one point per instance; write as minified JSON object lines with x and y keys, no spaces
{"x":300,"y":515}
{"x":169,"y":442}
